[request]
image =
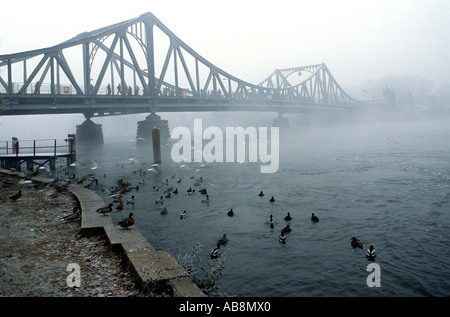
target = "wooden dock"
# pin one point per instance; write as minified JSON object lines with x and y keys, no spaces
{"x":14,"y":153}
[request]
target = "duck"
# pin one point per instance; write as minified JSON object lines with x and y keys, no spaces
{"x":314,"y":218}
{"x":223,"y":240}
{"x":168,"y":190}
{"x":261,"y":194}
{"x":117,"y":198}
{"x":288,"y":217}
{"x":231,"y":212}
{"x":15,"y":197}
{"x":119,"y":206}
{"x":282,"y":238}
{"x":179,"y":181}
{"x":127,"y":222}
{"x":189,"y":190}
{"x":155,"y":189}
{"x":272,"y":199}
{"x":271,"y":222}
{"x":168,"y":195}
{"x":164,"y":211}
{"x":192,"y":192}
{"x":105,"y":209}
{"x":356,"y":243}
{"x":159,"y":201}
{"x":286,"y":229}
{"x":371,"y":253}
{"x":131,"y":200}
{"x":203,"y":191}
{"x":73,"y":216}
{"x":206,"y":200}
{"x":175,"y":191}
{"x":183,"y":215}
{"x":216,"y":252}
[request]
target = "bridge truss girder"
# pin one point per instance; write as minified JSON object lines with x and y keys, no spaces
{"x":315,"y":83}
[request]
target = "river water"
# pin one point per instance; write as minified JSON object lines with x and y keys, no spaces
{"x":383,"y":178}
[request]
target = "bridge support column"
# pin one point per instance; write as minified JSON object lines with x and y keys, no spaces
{"x":281,"y":122}
{"x":89,"y":133}
{"x":145,"y":128}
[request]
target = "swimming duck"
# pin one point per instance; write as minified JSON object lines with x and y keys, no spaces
{"x":271,"y":222}
{"x":131,"y":200}
{"x":231,"y":212}
{"x":371,"y":253}
{"x":314,"y":218}
{"x":261,"y":194}
{"x":282,"y":238}
{"x":199,"y":180}
{"x":206,"y":200}
{"x":16,"y":196}
{"x":189,"y":190}
{"x":155,"y":189}
{"x":175,"y":191}
{"x":179,"y":181}
{"x":288,"y":217}
{"x":223,"y":240}
{"x":215,"y":252}
{"x":117,"y":198}
{"x":203,"y":191}
{"x":164,"y":211}
{"x":119,"y":206}
{"x":127,"y":222}
{"x":168,"y":190}
{"x":105,"y":209}
{"x":192,"y":192}
{"x":168,"y":195}
{"x":159,"y":201}
{"x":286,"y":229}
{"x":356,"y":243}
{"x":272,"y":199}
{"x":183,"y":214}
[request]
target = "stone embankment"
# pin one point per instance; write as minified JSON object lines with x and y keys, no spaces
{"x":150,"y":269}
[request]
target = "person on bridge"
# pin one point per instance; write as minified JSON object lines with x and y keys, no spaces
{"x":119,"y":89}
{"x":109,"y":89}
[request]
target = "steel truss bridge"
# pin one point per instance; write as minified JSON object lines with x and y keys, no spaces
{"x":139,"y":66}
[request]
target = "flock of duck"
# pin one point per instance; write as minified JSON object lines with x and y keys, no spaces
{"x":123,"y":187}
{"x":117,"y":192}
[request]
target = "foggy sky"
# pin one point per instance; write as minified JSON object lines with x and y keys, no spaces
{"x":358,"y":40}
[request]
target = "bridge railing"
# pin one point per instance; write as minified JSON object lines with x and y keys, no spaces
{"x":42,"y":147}
{"x":67,"y":89}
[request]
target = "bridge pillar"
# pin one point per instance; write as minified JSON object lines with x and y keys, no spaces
{"x":281,"y":122}
{"x":145,"y":128}
{"x":89,"y":133}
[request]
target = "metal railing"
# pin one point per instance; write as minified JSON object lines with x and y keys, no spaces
{"x":47,"y":147}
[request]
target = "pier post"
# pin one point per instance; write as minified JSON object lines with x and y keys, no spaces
{"x":71,"y":138}
{"x":156,"y":146}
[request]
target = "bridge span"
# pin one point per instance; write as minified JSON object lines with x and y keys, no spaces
{"x":139,"y":66}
